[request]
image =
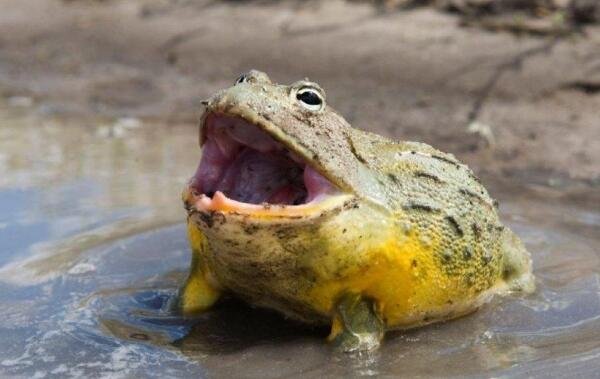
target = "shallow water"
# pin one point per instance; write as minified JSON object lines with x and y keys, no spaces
{"x":93,"y":247}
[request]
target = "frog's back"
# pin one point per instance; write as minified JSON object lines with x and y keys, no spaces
{"x":445,"y":204}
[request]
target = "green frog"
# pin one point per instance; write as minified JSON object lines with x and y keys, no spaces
{"x":294,"y":210}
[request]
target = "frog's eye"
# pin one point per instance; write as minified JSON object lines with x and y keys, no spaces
{"x":310,"y":98}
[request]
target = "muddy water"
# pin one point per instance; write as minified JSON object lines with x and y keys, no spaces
{"x":92,"y":248}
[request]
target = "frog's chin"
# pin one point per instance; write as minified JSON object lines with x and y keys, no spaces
{"x":244,"y":170}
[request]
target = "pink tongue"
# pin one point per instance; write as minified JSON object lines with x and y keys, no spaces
{"x":316,"y":184}
{"x":211,"y":168}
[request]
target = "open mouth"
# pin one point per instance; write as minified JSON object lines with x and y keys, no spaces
{"x":244,"y":168}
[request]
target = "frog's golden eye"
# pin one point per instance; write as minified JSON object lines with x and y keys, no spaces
{"x":310,"y":98}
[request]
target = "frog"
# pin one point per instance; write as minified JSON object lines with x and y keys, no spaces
{"x":293,"y":210}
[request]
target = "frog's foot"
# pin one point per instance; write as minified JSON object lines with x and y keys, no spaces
{"x":356,"y":325}
{"x":517,"y":264}
{"x":197,"y":295}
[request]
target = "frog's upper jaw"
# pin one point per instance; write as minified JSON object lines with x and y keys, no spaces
{"x":244,"y":170}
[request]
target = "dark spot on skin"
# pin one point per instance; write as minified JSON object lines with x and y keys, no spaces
{"x":467,"y":253}
{"x":446,"y":160}
{"x":496,"y":203}
{"x":449,"y":302}
{"x":446,"y":256}
{"x":474,"y":177}
{"x":344,"y":231}
{"x":231,"y":242}
{"x":353,"y":150}
{"x":250,"y":229}
{"x":187,"y":206}
{"x":472,"y":194}
{"x":476,"y":231}
{"x":455,"y":226}
{"x":207,"y":218}
{"x":414,"y":263}
{"x":421,"y":207}
{"x":210,"y":218}
{"x":486,"y":258}
{"x":423,"y":174}
{"x":220,"y":218}
{"x":469,"y":279}
{"x":393,"y":178}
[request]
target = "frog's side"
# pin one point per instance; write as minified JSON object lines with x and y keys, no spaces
{"x":412,"y":238}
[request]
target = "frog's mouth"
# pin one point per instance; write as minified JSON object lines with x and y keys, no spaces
{"x":243,"y":169}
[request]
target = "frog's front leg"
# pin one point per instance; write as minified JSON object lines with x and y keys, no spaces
{"x":199,"y":292}
{"x":357,"y":325}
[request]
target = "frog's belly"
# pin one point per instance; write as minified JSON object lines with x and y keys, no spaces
{"x":409,"y":285}
{"x":407,"y":295}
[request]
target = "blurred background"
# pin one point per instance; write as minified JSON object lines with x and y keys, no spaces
{"x":99,"y":102}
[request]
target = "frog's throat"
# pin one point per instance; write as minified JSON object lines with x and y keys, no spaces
{"x":244,"y":169}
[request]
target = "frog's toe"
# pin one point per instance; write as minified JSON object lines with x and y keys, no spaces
{"x":196,"y":296}
{"x":356,"y":325}
{"x":516,"y":272}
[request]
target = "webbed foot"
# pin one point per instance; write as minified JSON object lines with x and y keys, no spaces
{"x":357,"y":325}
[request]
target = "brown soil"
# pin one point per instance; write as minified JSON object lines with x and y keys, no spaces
{"x":413,"y":74}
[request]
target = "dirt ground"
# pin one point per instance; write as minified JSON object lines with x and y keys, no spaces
{"x":522,"y":109}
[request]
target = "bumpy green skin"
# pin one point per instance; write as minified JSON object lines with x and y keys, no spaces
{"x":446,"y":202}
{"x":398,"y":191}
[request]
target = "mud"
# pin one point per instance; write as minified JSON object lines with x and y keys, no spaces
{"x":516,"y":108}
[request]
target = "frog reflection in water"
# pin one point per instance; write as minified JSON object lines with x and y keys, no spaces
{"x":294,"y":210}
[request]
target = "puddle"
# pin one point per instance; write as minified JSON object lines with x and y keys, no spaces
{"x":93,"y":247}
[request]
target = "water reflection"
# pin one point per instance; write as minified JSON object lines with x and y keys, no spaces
{"x":92,"y":250}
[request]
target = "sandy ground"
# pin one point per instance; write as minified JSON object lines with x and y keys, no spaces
{"x":415,"y":75}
